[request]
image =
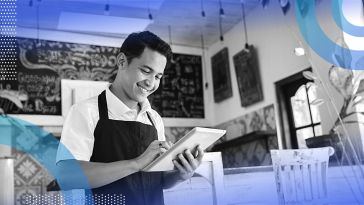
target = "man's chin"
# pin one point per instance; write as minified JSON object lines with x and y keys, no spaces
{"x":142,"y":98}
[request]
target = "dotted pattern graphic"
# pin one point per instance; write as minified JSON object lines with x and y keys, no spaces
{"x":65,"y":199}
{"x":8,"y":40}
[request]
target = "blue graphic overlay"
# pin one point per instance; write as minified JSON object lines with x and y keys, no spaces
{"x":7,"y":39}
{"x":342,"y":21}
{"x":318,"y":40}
{"x":42,"y":146}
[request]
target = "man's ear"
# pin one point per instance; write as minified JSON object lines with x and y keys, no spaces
{"x":121,"y":60}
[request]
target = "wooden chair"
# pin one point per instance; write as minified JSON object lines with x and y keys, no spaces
{"x":301,"y":174}
{"x":188,"y":192}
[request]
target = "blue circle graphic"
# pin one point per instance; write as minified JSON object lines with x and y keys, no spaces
{"x":319,"y":42}
{"x":41,"y":146}
{"x":342,"y":22}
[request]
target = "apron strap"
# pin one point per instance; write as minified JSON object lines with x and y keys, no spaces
{"x":103,"y":113}
{"x":150,"y":119}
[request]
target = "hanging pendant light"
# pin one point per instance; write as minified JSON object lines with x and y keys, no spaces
{"x":150,"y":16}
{"x":170,"y":41}
{"x":38,"y":44}
{"x":107,"y":8}
{"x":203,"y":58}
{"x":244,"y":25}
{"x":221,"y":10}
{"x":203,"y":14}
{"x":220,"y":29}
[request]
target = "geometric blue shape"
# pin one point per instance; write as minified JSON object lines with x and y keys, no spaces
{"x":318,"y":40}
{"x":41,"y":146}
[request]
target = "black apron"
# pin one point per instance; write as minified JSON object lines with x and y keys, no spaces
{"x":117,"y":140}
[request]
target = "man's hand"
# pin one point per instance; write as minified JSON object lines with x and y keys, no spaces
{"x":187,"y":163}
{"x":154,"y":149}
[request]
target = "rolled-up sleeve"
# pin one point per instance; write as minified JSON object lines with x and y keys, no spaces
{"x":77,"y":138}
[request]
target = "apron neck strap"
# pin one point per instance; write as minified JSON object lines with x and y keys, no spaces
{"x":103,"y":106}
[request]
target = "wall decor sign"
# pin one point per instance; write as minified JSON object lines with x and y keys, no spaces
{"x":248,"y":76}
{"x":221,"y":75}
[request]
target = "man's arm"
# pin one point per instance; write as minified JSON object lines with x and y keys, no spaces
{"x":97,"y":174}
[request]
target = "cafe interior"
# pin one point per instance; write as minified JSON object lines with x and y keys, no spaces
{"x":282,"y":77}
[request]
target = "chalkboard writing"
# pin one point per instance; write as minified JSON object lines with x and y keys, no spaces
{"x":181,"y":93}
{"x":42,"y":64}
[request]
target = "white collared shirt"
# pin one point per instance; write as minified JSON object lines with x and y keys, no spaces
{"x":80,"y":123}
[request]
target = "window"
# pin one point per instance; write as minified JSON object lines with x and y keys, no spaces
{"x":307,"y":122}
{"x":299,"y":118}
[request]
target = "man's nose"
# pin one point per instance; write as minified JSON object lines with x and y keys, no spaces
{"x":150,"y":81}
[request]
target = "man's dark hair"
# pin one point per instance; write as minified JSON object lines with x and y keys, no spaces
{"x":135,"y":44}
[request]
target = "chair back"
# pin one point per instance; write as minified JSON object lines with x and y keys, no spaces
{"x":194,"y":191}
{"x":301,"y":174}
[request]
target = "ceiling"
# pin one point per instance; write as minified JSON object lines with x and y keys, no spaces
{"x":182,"y":17}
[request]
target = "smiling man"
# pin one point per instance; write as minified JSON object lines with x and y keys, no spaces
{"x":116,"y":134}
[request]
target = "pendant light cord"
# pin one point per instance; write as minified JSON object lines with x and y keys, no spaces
{"x":244,"y":24}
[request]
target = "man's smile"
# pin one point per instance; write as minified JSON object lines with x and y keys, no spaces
{"x":143,"y":89}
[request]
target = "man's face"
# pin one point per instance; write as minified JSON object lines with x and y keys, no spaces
{"x":142,"y":75}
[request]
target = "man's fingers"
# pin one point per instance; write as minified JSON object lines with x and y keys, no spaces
{"x":164,"y":144}
{"x":179,"y":167}
{"x":200,"y":153}
{"x":189,"y":154}
{"x":185,"y":163}
{"x":191,"y":159}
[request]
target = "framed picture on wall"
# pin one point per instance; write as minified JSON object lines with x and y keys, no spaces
{"x":248,"y":76}
{"x":221,"y":75}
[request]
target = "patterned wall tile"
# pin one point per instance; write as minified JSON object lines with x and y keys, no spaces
{"x":22,"y":192}
{"x":254,"y":153}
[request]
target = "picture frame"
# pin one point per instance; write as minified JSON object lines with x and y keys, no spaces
{"x":221,"y":75}
{"x":248,"y":76}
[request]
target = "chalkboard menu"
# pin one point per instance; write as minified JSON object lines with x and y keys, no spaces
{"x":181,"y":92}
{"x":42,"y":64}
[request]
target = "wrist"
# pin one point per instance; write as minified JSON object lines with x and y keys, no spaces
{"x":136,"y":164}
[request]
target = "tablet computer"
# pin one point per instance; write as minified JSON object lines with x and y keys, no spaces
{"x":197,"y":136}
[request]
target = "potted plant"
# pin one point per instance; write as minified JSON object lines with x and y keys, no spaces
{"x":342,"y":79}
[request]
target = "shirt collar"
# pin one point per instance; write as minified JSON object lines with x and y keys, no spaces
{"x":118,"y":108}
